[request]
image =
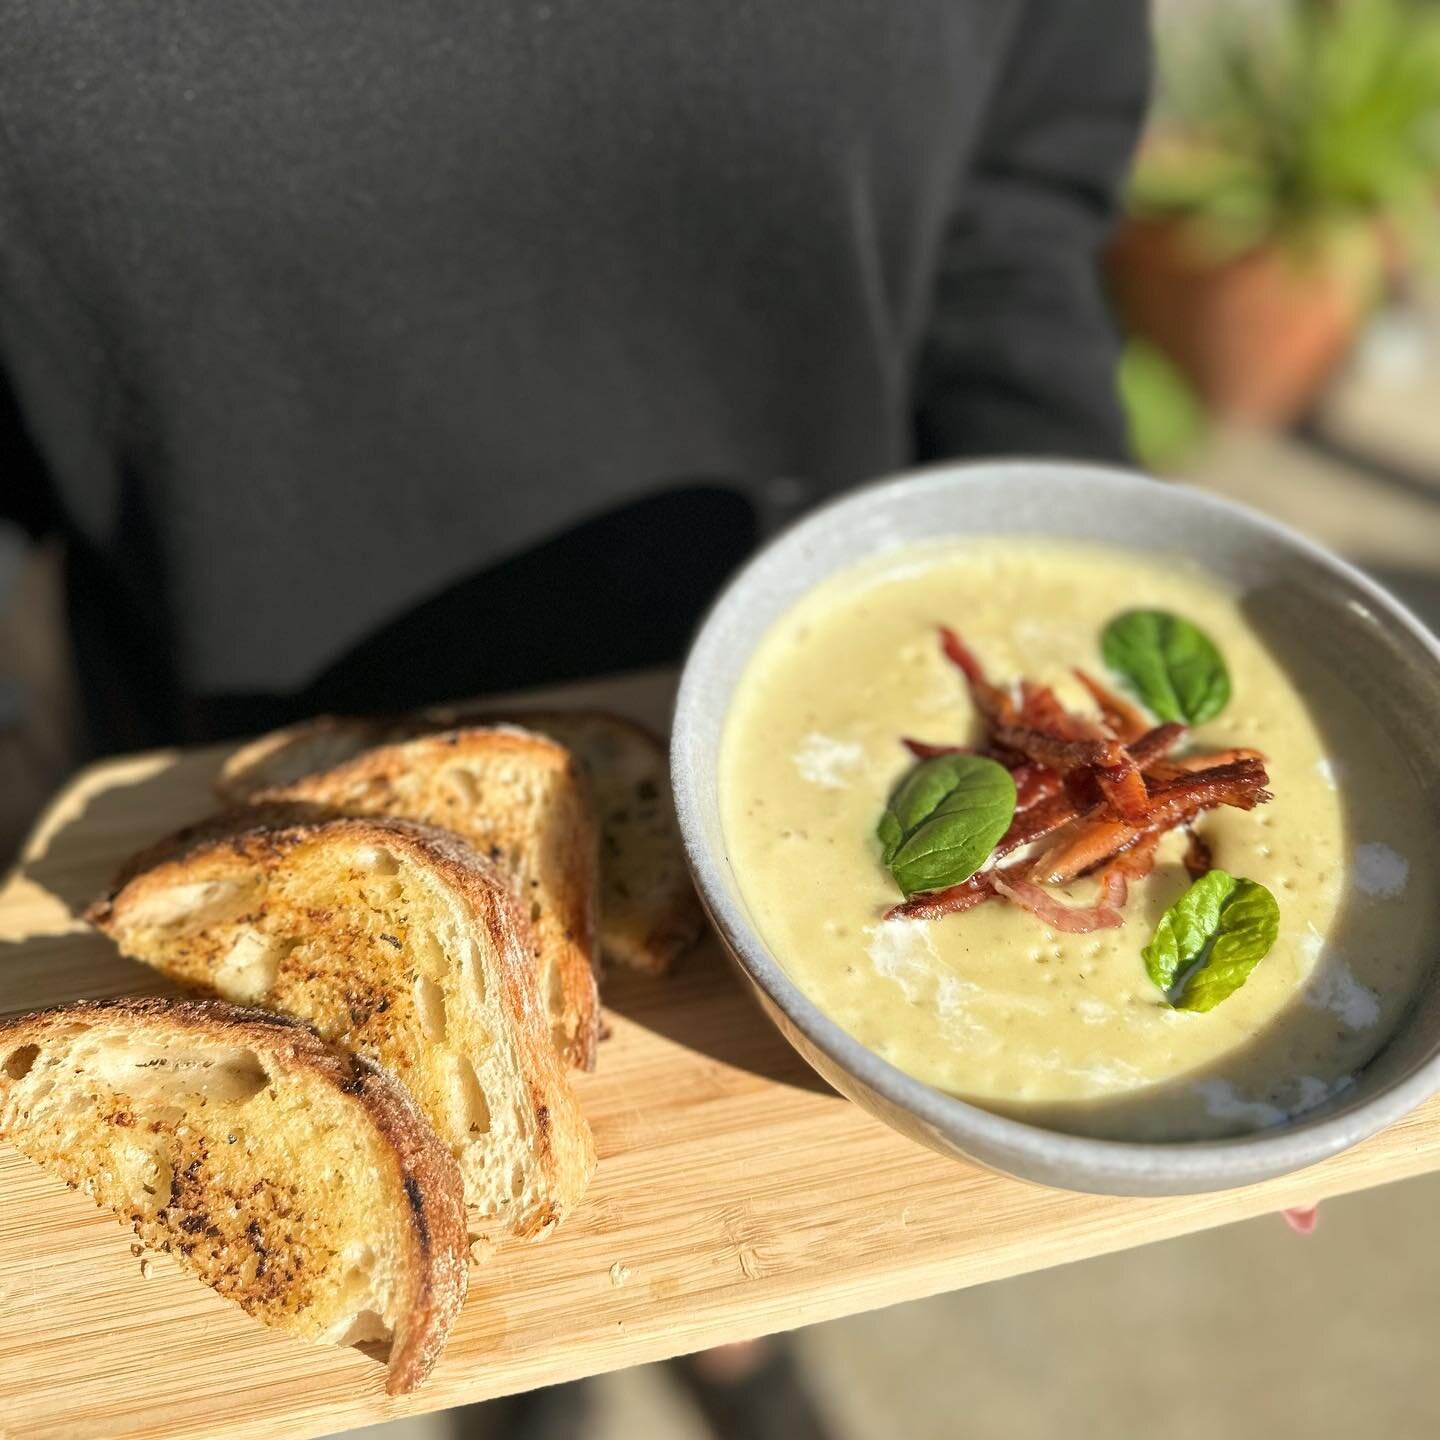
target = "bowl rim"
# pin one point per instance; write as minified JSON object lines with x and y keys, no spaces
{"x":1084,"y":1162}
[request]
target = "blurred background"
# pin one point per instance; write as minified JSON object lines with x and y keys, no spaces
{"x":1278,"y":277}
{"x":1278,"y":274}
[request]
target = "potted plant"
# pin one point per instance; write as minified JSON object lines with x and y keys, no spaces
{"x":1295,"y":149}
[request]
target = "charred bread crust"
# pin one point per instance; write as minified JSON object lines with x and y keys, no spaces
{"x":675,"y":919}
{"x":564,"y":1146}
{"x":425,"y":1172}
{"x":570,"y":932}
{"x":241,"y":825}
{"x":649,"y":935}
{"x":252,"y":766}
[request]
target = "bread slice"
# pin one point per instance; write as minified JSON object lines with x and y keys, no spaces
{"x":648,"y":910}
{"x":393,"y":940}
{"x":280,"y":757}
{"x":521,"y":800}
{"x":649,"y":913}
{"x":295,"y":1179}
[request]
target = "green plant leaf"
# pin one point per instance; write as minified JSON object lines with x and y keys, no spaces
{"x":1210,"y":939}
{"x":1301,"y":120}
{"x":1169,"y":663}
{"x":890,"y":835}
{"x":944,"y":820}
{"x":1165,"y":417}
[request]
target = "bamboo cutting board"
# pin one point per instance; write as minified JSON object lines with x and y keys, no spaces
{"x":735,"y":1195}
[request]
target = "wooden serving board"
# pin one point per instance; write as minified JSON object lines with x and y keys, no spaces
{"x":735,"y":1196}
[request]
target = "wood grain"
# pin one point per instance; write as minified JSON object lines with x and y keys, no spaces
{"x":736,"y":1196}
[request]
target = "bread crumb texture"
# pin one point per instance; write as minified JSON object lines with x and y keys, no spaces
{"x":263,"y":1186}
{"x":404,"y":948}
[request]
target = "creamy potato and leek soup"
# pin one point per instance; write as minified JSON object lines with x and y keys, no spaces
{"x":1064,"y":831}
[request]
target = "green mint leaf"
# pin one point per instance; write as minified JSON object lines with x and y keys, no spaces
{"x":890,"y":835}
{"x":944,"y":820}
{"x":1186,"y":928}
{"x":1249,"y":924}
{"x":1169,"y":663}
{"x":1210,"y":939}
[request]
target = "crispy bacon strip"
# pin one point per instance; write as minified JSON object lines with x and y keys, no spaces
{"x":1048,"y":735}
{"x":1199,"y":860}
{"x":1155,"y":744}
{"x":1135,"y":862}
{"x":1124,"y":721}
{"x":1040,"y":709}
{"x":924,"y":750}
{"x":953,"y":901}
{"x":1041,"y":819}
{"x":1034,"y":783}
{"x":959,"y":654}
{"x":1099,"y":836}
{"x":1074,"y":919}
{"x":1240,"y":783}
{"x":929,"y":749}
{"x":1090,"y":845}
{"x":1173,"y":769}
{"x":1124,"y":790}
{"x":1011,"y":883}
{"x":1061,"y":755}
{"x":990,"y":700}
{"x":1174,"y":803}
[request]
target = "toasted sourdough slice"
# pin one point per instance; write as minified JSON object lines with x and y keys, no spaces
{"x":521,"y":800}
{"x":280,"y":757}
{"x":396,"y":941}
{"x":295,"y":1179}
{"x":649,"y":912}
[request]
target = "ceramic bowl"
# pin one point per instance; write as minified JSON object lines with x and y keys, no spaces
{"x":1352,"y":626}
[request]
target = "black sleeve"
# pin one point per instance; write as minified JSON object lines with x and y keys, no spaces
{"x":25,"y":496}
{"x":1021,"y":354}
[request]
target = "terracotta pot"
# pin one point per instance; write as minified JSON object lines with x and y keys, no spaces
{"x":1257,"y":334}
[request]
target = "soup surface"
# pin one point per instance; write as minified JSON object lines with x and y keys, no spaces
{"x":1068,"y":1029}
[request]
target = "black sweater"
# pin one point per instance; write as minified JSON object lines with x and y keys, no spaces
{"x":320,"y":323}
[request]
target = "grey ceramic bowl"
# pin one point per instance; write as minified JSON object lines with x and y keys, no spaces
{"x":1347,"y":623}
